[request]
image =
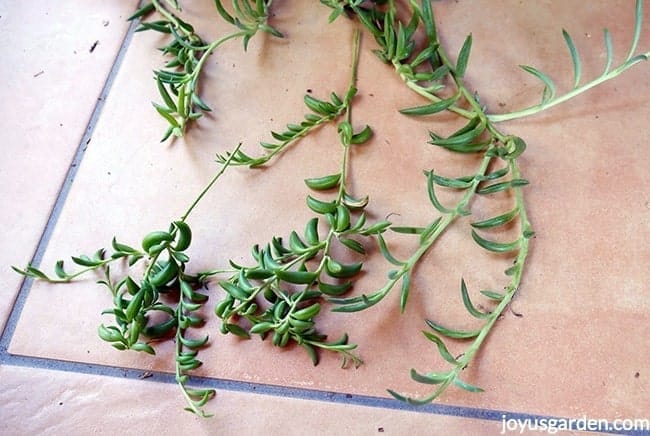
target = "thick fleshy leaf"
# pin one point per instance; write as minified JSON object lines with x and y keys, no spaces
{"x":497,"y":247}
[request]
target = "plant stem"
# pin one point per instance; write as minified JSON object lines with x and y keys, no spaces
{"x":211,"y":183}
{"x":532,"y":110}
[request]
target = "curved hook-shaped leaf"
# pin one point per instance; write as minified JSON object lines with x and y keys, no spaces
{"x":497,"y":247}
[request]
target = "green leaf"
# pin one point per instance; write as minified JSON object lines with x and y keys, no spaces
{"x":235,"y":291}
{"x":122,"y":247}
{"x":362,"y":136}
{"x":463,"y":137}
{"x":502,"y":186}
{"x":394,"y":394}
{"x":386,"y":252}
{"x":406,"y":285}
{"x":497,"y":247}
{"x":432,"y":108}
{"x":296,"y":244}
{"x":430,"y":230}
{"x":58,"y":269}
{"x":145,"y":10}
{"x":237,"y":330}
{"x":320,"y":207}
{"x":342,"y":271}
{"x":353,"y":245}
{"x":467,"y":302}
{"x":497,"y":220}
{"x":161,"y":329}
{"x":493,"y":295}
{"x":166,"y":114}
{"x":463,"y":57}
{"x":258,"y":274}
{"x":410,"y":230}
{"x":200,"y":103}
{"x":297,"y":277}
{"x":432,"y":195}
{"x":610,"y":51}
{"x":354,"y":203}
{"x":31,"y":271}
{"x":319,"y":106}
{"x":423,"y":56}
{"x":429,"y":22}
{"x":110,"y":333}
{"x":512,"y":270}
{"x":323,"y":183}
{"x":375,"y":229}
{"x":84,"y":260}
{"x":141,"y":346}
{"x":455,"y":183}
{"x":311,"y":232}
{"x":193,"y":343}
{"x":549,"y":86}
{"x":442,"y":348}
{"x":165,"y":95}
{"x":515,"y":146}
{"x":334,"y":290}
{"x":577,"y":68}
{"x":431,"y":378}
{"x":454,"y":334}
{"x":439,"y":73}
{"x":637,"y":29}
{"x":467,"y":386}
{"x":311,"y":351}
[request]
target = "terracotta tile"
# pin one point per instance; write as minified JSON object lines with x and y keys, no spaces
{"x":36,"y":401}
{"x":52,"y":82}
{"x":584,"y":285}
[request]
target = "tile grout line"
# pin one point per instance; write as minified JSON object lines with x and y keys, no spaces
{"x":26,"y":285}
{"x":162,"y":377}
{"x":284,"y":391}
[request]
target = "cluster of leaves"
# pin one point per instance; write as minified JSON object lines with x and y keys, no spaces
{"x":178,"y":81}
{"x":281,"y":294}
{"x":165,"y":291}
{"x":322,"y":112}
{"x":430,"y":72}
{"x":291,"y":278}
{"x":141,"y":315}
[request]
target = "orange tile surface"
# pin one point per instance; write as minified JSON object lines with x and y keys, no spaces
{"x":63,"y":408}
{"x":52,"y":83}
{"x":575,"y":340}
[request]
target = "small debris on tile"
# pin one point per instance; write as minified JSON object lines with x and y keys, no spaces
{"x":39,"y":73}
{"x":145,"y":374}
{"x":517,"y":314}
{"x":637,"y":375}
{"x":309,"y":91}
{"x":106,"y":23}
{"x":94,"y":46}
{"x":380,"y":430}
{"x":60,"y":403}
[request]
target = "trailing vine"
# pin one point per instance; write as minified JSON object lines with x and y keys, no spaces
{"x":289,"y":281}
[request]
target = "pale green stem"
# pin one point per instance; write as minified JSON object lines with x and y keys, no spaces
{"x":532,"y":110}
